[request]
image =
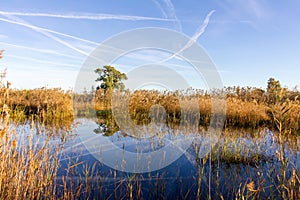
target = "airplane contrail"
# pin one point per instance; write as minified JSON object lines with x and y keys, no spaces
{"x":160,"y":8}
{"x":173,"y":13}
{"x":55,"y":32}
{"x":88,"y":16}
{"x":43,"y":32}
{"x":201,"y":29}
{"x":46,"y":32}
{"x":194,"y":38}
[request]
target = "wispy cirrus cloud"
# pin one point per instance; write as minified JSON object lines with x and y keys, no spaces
{"x":254,"y":8}
{"x":253,"y":12}
{"x":86,"y":16}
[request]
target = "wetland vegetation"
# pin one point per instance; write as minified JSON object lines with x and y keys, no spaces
{"x":255,"y":157}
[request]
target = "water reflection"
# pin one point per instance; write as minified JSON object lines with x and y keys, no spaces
{"x":107,"y":125}
{"x":235,"y":146}
{"x":239,"y":158}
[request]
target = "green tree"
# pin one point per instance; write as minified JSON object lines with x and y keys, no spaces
{"x":274,"y":91}
{"x":110,"y":78}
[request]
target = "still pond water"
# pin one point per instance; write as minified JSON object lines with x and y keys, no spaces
{"x":180,"y":169}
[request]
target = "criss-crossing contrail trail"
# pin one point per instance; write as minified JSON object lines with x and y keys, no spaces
{"x":50,"y":31}
{"x":194,"y":38}
{"x":18,"y":21}
{"x":173,"y":13}
{"x":47,"y":33}
{"x":160,"y":8}
{"x":201,"y":29}
{"x":88,"y":16}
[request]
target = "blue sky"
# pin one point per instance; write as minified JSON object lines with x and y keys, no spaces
{"x":249,"y":41}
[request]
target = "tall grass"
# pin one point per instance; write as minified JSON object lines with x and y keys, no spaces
{"x":47,"y":105}
{"x":28,"y":167}
{"x":242,"y":111}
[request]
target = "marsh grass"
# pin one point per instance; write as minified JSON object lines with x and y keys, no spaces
{"x":250,"y":167}
{"x":259,"y":165}
{"x":241,"y":112}
{"x":29,"y":151}
{"x":42,"y":104}
{"x":238,"y":158}
{"x":28,"y":166}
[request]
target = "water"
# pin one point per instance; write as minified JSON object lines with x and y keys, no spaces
{"x":238,"y":159}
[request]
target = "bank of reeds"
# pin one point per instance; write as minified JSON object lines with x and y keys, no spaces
{"x":241,"y":112}
{"x":28,"y":166}
{"x":47,"y":105}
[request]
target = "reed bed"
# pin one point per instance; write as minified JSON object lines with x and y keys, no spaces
{"x":268,"y":170}
{"x":28,"y":167}
{"x":29,"y":170}
{"x":47,"y":105}
{"x":241,"y":112}
{"x":29,"y":152}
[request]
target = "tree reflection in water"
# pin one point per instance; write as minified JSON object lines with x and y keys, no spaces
{"x":107,"y":125}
